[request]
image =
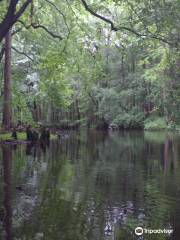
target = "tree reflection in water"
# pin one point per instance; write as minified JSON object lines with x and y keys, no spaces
{"x":93,"y":186}
{"x":7,"y":203}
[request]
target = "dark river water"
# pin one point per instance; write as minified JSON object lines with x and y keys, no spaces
{"x":92,"y":186}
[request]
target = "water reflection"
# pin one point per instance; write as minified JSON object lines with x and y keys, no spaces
{"x":91,"y":185}
{"x":7,"y":203}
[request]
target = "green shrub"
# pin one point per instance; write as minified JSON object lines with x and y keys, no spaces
{"x":155,"y":124}
{"x":127,"y":120}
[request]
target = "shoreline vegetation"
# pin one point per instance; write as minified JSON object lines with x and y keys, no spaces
{"x":6,"y":136}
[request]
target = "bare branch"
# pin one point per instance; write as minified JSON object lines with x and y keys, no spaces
{"x":113,"y":28}
{"x":22,"y":53}
{"x":35,"y":26}
{"x":16,"y":31}
{"x":48,"y":31}
{"x":16,"y":50}
{"x":77,"y":18}
{"x":2,"y":52}
{"x":60,"y":12}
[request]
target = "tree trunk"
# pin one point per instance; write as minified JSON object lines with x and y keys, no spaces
{"x":78,"y":110}
{"x":7,"y":108}
{"x":122,"y":69}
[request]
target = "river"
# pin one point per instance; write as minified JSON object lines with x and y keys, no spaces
{"x":92,"y":185}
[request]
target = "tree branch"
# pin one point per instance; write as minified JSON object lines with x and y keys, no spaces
{"x":35,"y":26}
{"x":93,"y":100}
{"x":113,"y":28}
{"x":16,"y":50}
{"x":21,"y":10}
{"x":60,"y":12}
{"x":77,"y":18}
{"x":16,"y":31}
{"x":48,"y":31}
{"x":2,"y":53}
{"x":22,"y":53}
{"x":11,"y":16}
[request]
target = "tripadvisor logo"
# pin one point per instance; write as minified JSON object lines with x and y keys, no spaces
{"x":139,"y":231}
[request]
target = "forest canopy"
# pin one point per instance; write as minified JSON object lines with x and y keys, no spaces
{"x":90,"y":63}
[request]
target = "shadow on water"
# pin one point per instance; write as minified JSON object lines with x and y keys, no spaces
{"x":91,"y":185}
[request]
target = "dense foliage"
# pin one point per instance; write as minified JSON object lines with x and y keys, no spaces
{"x":96,"y":63}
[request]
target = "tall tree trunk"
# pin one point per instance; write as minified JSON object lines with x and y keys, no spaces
{"x":7,"y":108}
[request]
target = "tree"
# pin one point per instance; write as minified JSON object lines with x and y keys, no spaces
{"x":12,"y":16}
{"x":111,"y":61}
{"x":7,"y":106}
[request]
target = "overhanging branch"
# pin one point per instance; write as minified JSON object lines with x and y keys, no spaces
{"x":114,"y":28}
{"x":60,"y":12}
{"x":22,"y":53}
{"x":35,"y":26}
{"x":16,"y":50}
{"x":47,"y":30}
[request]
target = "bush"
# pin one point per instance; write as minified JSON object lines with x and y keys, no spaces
{"x":131,"y":121}
{"x":155,"y":124}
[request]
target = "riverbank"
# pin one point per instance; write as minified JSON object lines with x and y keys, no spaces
{"x":20,"y":136}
